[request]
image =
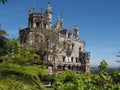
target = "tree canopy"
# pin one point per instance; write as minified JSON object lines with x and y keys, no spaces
{"x":3,"y":42}
{"x":103,"y":65}
{"x":3,"y":1}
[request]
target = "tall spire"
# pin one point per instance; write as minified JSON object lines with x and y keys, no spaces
{"x":62,"y":20}
{"x":49,"y":3}
{"x":49,"y":8}
{"x":59,"y":24}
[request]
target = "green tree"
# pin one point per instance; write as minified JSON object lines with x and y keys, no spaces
{"x":3,"y":1}
{"x":65,"y":81}
{"x":20,"y":62}
{"x":103,"y":65}
{"x":104,"y":81}
{"x":3,"y":42}
{"x":68,"y":80}
{"x":116,"y":76}
{"x":21,"y":55}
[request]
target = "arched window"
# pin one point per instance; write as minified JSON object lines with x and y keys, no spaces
{"x":37,"y":24}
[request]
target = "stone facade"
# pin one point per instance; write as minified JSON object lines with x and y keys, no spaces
{"x":68,"y":51}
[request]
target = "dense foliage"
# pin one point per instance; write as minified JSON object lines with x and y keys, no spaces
{"x":3,"y":42}
{"x":20,"y":69}
{"x":21,"y":77}
{"x":68,"y":80}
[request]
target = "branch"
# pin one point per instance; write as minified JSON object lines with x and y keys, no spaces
{"x":3,"y":1}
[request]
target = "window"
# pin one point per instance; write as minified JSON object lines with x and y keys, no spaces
{"x":69,"y":67}
{"x":37,"y":24}
{"x":44,"y":25}
{"x":69,"y":35}
{"x":72,"y":46}
{"x":24,"y":39}
{"x":41,"y":38}
{"x":63,"y":58}
{"x":77,"y":60}
{"x":71,"y":59}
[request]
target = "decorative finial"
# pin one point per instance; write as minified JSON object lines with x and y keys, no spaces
{"x":19,"y":28}
{"x":62,"y":17}
{"x":0,"y":26}
{"x":30,"y":11}
{"x":41,"y":9}
{"x":49,"y":2}
{"x":62,"y":20}
{"x":34,"y":9}
{"x":58,"y":18}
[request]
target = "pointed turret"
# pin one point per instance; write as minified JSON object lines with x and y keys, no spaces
{"x":62,"y":21}
{"x":30,"y":11}
{"x":48,"y":13}
{"x":58,"y":19}
{"x":76,"y":32}
{"x":59,"y":24}
{"x":49,"y":8}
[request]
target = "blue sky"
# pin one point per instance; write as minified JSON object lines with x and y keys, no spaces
{"x":98,"y":20}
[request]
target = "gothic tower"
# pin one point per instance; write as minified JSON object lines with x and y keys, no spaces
{"x":48,"y":13}
{"x":41,"y":20}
